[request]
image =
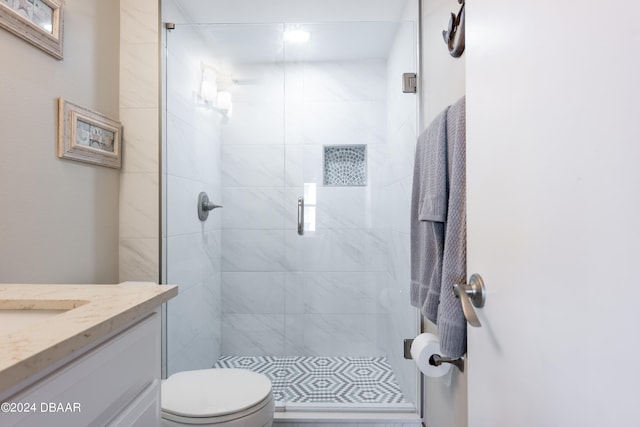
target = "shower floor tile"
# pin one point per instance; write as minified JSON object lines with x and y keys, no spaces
{"x":331,"y":380}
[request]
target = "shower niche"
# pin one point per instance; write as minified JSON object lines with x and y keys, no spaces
{"x":345,"y":165}
{"x":322,"y":314}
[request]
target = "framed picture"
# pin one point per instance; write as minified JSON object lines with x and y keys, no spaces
{"x":37,"y":21}
{"x":87,"y":136}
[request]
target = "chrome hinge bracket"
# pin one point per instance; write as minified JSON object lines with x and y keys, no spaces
{"x":407,"y":348}
{"x":409,"y":83}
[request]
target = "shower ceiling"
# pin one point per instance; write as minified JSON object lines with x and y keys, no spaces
{"x":368,"y":35}
{"x":328,"y":42}
{"x":245,"y":11}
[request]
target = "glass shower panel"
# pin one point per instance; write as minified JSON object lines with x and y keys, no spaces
{"x":253,"y":174}
{"x":258,"y":121}
{"x":346,"y":289}
{"x":191,"y":164}
{"x":224,"y":119}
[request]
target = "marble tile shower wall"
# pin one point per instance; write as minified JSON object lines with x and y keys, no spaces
{"x":139,"y":82}
{"x":193,"y":247}
{"x":283,"y":294}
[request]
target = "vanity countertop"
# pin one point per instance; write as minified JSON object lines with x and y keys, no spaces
{"x":81,"y":315}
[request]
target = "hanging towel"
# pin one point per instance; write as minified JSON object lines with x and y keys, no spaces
{"x":452,"y":325}
{"x":428,"y":215}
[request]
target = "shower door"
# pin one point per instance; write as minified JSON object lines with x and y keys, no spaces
{"x":308,"y":147}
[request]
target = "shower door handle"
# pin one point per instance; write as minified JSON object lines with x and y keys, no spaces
{"x":300,"y":215}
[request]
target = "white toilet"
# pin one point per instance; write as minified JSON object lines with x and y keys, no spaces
{"x":217,"y":397}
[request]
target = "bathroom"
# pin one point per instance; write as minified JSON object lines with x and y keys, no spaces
{"x":82,"y":224}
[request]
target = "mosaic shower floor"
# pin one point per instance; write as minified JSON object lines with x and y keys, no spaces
{"x":360,"y":381}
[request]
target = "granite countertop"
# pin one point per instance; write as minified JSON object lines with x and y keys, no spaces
{"x":91,"y":312}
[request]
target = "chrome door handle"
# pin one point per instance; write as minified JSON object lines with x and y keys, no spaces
{"x":471,"y":295}
{"x":300,"y":215}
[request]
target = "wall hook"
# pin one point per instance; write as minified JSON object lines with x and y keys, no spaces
{"x":455,"y":30}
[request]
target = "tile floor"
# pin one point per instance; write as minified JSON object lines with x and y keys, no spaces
{"x":330,"y":380}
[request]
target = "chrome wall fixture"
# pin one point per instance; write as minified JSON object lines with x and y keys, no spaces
{"x":437,"y":360}
{"x":204,"y":206}
{"x":409,"y":83}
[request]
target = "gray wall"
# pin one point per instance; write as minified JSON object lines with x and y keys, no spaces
{"x":59,"y":218}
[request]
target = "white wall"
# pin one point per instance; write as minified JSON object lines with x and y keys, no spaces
{"x":443,"y":76}
{"x":443,"y":83}
{"x":59,"y":218}
{"x":553,"y":205}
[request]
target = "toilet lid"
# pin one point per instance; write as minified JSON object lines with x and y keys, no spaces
{"x":213,"y":392}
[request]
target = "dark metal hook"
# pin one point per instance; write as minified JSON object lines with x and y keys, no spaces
{"x":456,"y":27}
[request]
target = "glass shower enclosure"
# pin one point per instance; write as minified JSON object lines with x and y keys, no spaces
{"x":302,"y":270}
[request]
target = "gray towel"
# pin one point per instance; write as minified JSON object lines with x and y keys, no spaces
{"x":452,"y":325}
{"x":428,"y":214}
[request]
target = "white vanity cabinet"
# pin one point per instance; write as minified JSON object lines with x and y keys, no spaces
{"x":115,"y":382}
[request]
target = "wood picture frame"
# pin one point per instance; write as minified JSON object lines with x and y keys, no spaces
{"x":39,"y":22}
{"x":88,"y":136}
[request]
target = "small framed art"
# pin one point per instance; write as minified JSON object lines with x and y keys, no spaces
{"x":88,"y":136}
{"x":39,"y":22}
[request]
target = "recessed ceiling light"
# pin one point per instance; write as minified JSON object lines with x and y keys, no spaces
{"x":297,"y":36}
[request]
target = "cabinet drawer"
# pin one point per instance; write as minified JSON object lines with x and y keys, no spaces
{"x":144,"y":411}
{"x":95,"y":387}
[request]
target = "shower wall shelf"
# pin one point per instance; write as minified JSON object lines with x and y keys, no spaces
{"x":345,"y":165}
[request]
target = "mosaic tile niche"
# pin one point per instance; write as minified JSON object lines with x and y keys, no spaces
{"x":345,"y":165}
